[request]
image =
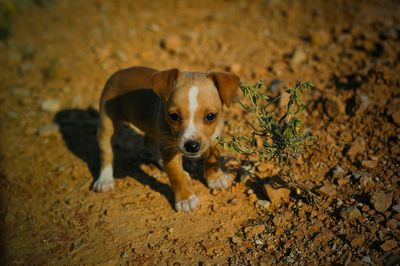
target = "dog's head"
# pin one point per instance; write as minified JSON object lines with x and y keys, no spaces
{"x":194,"y":105}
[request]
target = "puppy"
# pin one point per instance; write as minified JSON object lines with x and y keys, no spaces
{"x":181,"y":111}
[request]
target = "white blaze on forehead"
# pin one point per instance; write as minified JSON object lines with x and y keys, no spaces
{"x":193,"y":103}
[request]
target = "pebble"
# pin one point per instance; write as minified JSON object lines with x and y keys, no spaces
{"x":337,"y":172}
{"x":121,"y":56}
{"x":249,"y":191}
{"x":356,"y":240}
{"x":366,"y":259}
{"x":320,"y":38}
{"x":392,"y":224}
{"x":48,"y":130}
{"x":381,"y":201}
{"x":370,"y":164}
{"x":124,"y":255}
{"x":50,"y":105}
{"x":389,"y":245}
{"x":298,"y":57}
{"x":327,"y":189}
{"x":235,"y":201}
{"x":171,"y":43}
{"x":265,"y":204}
{"x":252,"y":198}
{"x":277,"y":196}
{"x":396,"y":208}
{"x":170,"y":230}
{"x":357,"y":147}
{"x":254,"y":230}
{"x":396,"y":117}
{"x":366,"y":180}
{"x":350,"y":213}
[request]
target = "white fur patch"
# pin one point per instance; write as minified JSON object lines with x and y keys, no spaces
{"x":193,"y":104}
{"x":106,"y":173}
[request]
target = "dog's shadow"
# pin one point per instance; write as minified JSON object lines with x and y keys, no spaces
{"x":78,"y":128}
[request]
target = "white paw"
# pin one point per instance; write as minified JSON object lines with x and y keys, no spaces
{"x":103,"y":185}
{"x":220,"y":183}
{"x":187,"y":205}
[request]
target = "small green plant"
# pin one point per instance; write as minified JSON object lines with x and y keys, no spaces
{"x":272,"y":137}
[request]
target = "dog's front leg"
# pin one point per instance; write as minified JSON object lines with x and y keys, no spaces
{"x":185,"y":199}
{"x":215,"y":177}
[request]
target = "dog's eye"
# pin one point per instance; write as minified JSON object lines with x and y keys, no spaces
{"x":175,"y":117}
{"x":210,"y":117}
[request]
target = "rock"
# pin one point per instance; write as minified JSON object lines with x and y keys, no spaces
{"x":366,"y":259}
{"x":249,"y":191}
{"x":357,"y":147}
{"x":327,"y":189}
{"x":381,"y":201}
{"x":343,"y":181}
{"x":235,"y":201}
{"x":333,"y":107}
{"x":170,"y":230}
{"x":350,"y":213}
{"x":337,"y":172}
{"x":366,"y":180}
{"x":320,"y":38}
{"x":50,"y":105}
{"x":124,"y":255}
{"x":370,"y":164}
{"x":171,"y":43}
{"x":277,"y":196}
{"x":265,"y":166}
{"x":356,"y":240}
{"x":265,"y":204}
{"x":389,"y":245}
{"x":396,"y":208}
{"x":392,"y":224}
{"x":252,"y":198}
{"x":121,"y":56}
{"x":48,"y":130}
{"x":236,"y":240}
{"x":254,"y":230}
{"x":298,"y":57}
{"x":396,"y":117}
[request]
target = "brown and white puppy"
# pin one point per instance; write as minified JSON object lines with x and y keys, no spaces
{"x":181,"y":111}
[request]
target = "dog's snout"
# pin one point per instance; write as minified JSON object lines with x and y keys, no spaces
{"x":192,"y":146}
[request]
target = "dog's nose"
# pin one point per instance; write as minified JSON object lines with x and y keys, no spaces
{"x":192,"y":146}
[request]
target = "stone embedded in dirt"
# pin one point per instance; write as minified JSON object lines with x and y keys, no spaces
{"x":265,"y":166}
{"x":121,"y":56}
{"x":337,"y":172}
{"x":124,"y":255}
{"x":277,"y":196}
{"x":333,"y":107}
{"x":382,"y":201}
{"x":252,"y":198}
{"x":396,"y":117}
{"x":48,"y":130}
{"x":254,"y":230}
{"x":396,"y":207}
{"x":366,"y":259}
{"x":298,"y":57}
{"x":370,"y":164}
{"x":323,"y":237}
{"x":350,"y":213}
{"x":328,"y":189}
{"x":356,"y":240}
{"x":358,"y":146}
{"x":392,"y":224}
{"x":321,"y":38}
{"x":389,"y":245}
{"x":50,"y":105}
{"x":236,"y":240}
{"x":265,"y":204}
{"x":171,"y":43}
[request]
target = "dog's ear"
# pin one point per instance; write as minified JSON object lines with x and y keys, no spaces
{"x":164,"y":81}
{"x":227,"y":85}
